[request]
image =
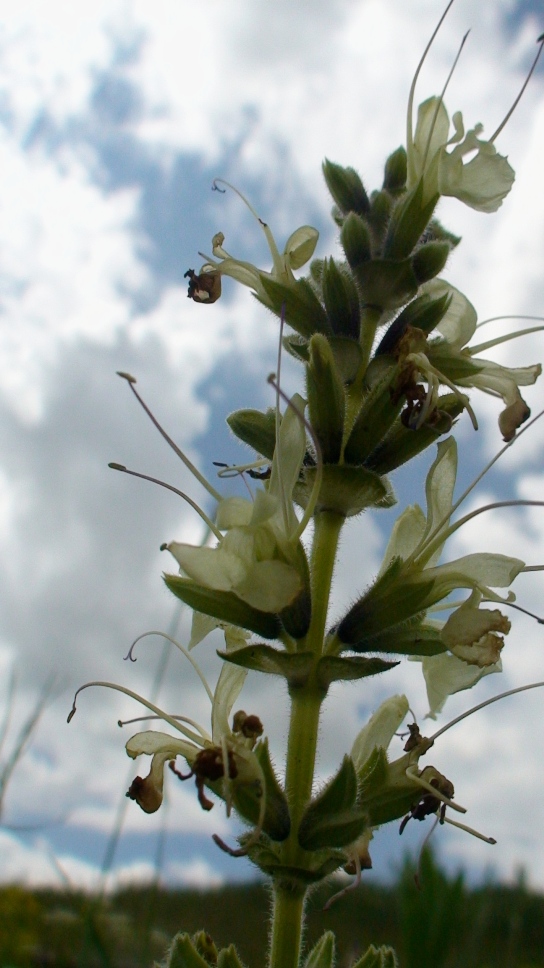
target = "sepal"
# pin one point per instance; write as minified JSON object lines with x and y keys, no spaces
{"x":322,"y":954}
{"x":356,"y":240}
{"x":277,"y":821}
{"x":228,"y":958}
{"x":225,"y":606}
{"x":423,"y":312}
{"x":387,"y":603}
{"x":402,"y":443}
{"x":345,"y":490}
{"x":341,"y":300}
{"x":256,"y":429}
{"x":395,"y":172}
{"x":332,"y":818}
{"x":386,"y":283}
{"x":346,"y":188}
{"x":429,"y":260}
{"x":299,"y":304}
{"x":184,"y":953}
{"x":403,"y":640}
{"x":408,"y":222}
{"x":377,"y":414}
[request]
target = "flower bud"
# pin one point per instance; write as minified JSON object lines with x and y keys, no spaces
{"x":326,"y":399}
{"x":430,"y":259}
{"x":355,"y":240}
{"x":341,"y":300}
{"x":394,"y":179}
{"x":346,"y":188}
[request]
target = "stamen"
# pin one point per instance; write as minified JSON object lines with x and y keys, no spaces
{"x":182,"y":719}
{"x":540,"y":40}
{"x":189,"y":464}
{"x":503,"y":339}
{"x":444,"y":535}
{"x":145,"y":702}
{"x":494,"y":319}
{"x":169,"y":487}
{"x":441,"y":98}
{"x":525,"y":610}
{"x":438,"y":529}
{"x":349,"y":887}
{"x":276,"y":257}
{"x":482,"y":705}
{"x":182,"y":649}
{"x":425,"y":841}
{"x":412,"y":775}
{"x":409,"y":119}
{"x":470,"y":830}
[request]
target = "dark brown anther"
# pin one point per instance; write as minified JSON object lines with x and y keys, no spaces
{"x":414,"y":738}
{"x":205,"y":288}
{"x":428,"y":803}
{"x":249,"y":726}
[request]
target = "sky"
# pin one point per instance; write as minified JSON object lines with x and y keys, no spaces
{"x":115,"y":117}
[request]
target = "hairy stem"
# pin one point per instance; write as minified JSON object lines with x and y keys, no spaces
{"x":289,"y":892}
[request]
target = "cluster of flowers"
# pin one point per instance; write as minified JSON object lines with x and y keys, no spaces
{"x":384,"y":344}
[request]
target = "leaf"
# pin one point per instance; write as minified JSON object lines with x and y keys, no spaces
{"x":332,"y":819}
{"x":293,"y":666}
{"x":332,"y":668}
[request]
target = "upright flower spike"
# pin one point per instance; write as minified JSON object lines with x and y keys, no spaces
{"x":258,"y":559}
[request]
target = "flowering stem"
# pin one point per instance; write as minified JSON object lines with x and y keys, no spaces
{"x":306,"y":703}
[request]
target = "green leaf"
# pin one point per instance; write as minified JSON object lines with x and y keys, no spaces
{"x":225,"y":606}
{"x":228,"y":958}
{"x":293,"y":666}
{"x":302,"y":311}
{"x":322,"y":954}
{"x":332,"y":668}
{"x":256,"y":429}
{"x":183,"y":954}
{"x":383,"y":957}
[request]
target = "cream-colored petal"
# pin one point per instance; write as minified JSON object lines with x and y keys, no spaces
{"x":406,"y":534}
{"x":380,"y":729}
{"x":233,"y":512}
{"x":445,"y":675}
{"x":270,"y":586}
{"x":214,"y":568}
{"x":300,"y":246}
{"x":228,"y":688}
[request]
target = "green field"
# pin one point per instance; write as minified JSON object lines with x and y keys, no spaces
{"x":445,"y":925}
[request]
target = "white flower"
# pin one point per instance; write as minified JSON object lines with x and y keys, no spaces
{"x":447,"y":359}
{"x":298,"y":249}
{"x":446,"y":674}
{"x":256,"y":559}
{"x":482,"y":182}
{"x":205,"y":753}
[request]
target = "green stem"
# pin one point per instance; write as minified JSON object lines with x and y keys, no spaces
{"x":289,"y":894}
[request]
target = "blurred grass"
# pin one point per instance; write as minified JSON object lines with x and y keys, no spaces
{"x":445,"y":925}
